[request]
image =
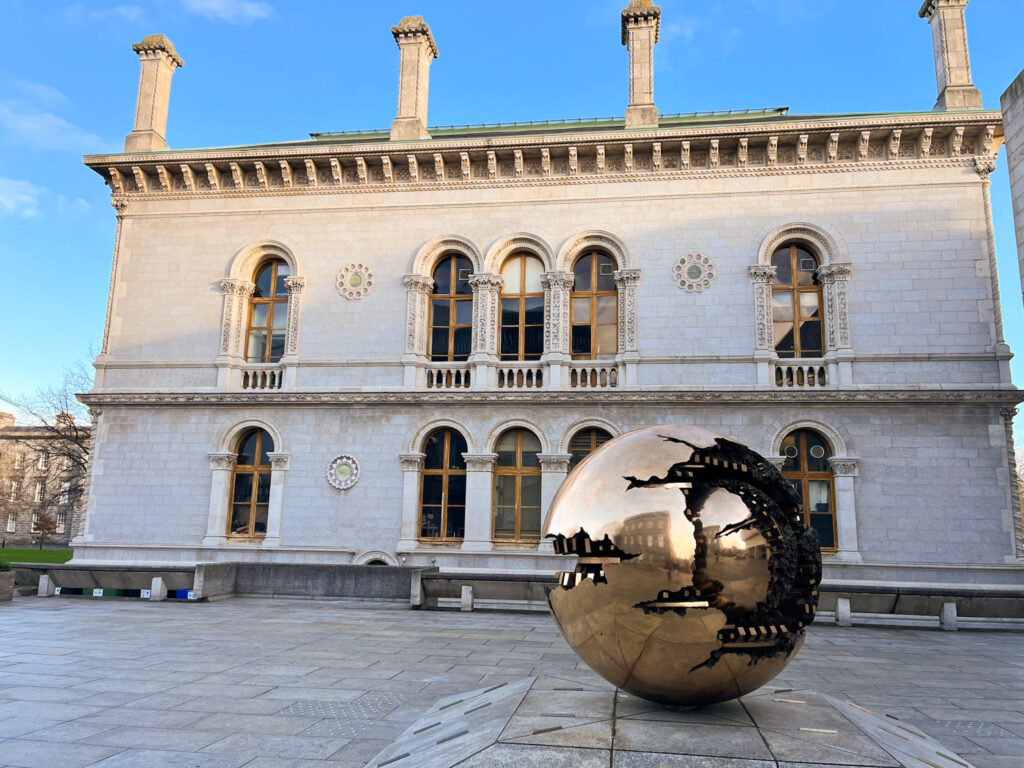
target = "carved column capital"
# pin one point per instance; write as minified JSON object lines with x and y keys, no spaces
{"x":412,"y":462}
{"x":235,"y":287}
{"x":485,"y":281}
{"x":557,"y":280}
{"x":626,"y":277}
{"x":419,"y":284}
{"x":1008,"y":413}
{"x":984,"y":166}
{"x":278,"y":460}
{"x":776,"y":461}
{"x":554,"y":462}
{"x":222,"y":460}
{"x":295,"y":284}
{"x":844,"y":466}
{"x":761,"y":273}
{"x":480,"y":462}
{"x":832,"y":273}
{"x":120,"y":205}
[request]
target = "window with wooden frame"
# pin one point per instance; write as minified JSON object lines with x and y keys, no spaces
{"x":517,"y":487}
{"x":268,"y":313}
{"x":585,"y":442}
{"x":797,"y":303}
{"x":443,"y":486}
{"x":595,"y":307}
{"x":250,"y":486}
{"x":522,"y":309}
{"x":451,"y":310}
{"x":807,"y":468}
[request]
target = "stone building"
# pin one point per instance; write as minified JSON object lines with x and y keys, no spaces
{"x":1012,"y":102}
{"x":391,"y":346}
{"x":37,"y":480}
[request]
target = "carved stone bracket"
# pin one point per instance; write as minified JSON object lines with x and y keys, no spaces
{"x":844,"y":466}
{"x":626,"y":281}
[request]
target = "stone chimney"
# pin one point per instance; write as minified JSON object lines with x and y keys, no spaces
{"x":640,"y":26}
{"x":952,"y":62}
{"x":417,"y":47}
{"x":159,"y":60}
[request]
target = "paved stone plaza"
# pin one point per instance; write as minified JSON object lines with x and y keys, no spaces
{"x":265,"y":683}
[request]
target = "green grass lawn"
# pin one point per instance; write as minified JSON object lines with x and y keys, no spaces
{"x":9,"y":555}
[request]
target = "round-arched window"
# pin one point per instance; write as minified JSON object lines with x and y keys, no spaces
{"x":443,"y":486}
{"x":517,"y":487}
{"x":250,"y":487}
{"x":797,"y":303}
{"x":595,"y":310}
{"x":585,"y":442}
{"x":522,"y":309}
{"x":807,"y":467}
{"x":268,"y":313}
{"x":451,"y":310}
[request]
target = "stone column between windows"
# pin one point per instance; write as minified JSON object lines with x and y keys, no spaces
{"x":844,"y":470}
{"x":80,"y":522}
{"x":1014,"y":486}
{"x":233,"y":321}
{"x":557,"y":352}
{"x":761,"y":275}
{"x":278,"y":466}
{"x":419,"y":288}
{"x":412,"y":467}
{"x":479,"y":501}
{"x":835,"y":279}
{"x":553,"y":469}
{"x":221,"y":467}
{"x":626,"y":281}
{"x":486,"y":289}
{"x":985,"y":166}
{"x":295,"y":286}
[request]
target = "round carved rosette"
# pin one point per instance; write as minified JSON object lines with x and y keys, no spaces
{"x":694,"y":272}
{"x":343,"y":472}
{"x":355,"y":281}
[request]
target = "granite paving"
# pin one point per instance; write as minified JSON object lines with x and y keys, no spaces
{"x":263,"y":683}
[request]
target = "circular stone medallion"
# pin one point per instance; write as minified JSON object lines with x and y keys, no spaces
{"x":343,"y":472}
{"x":355,"y":281}
{"x":694,"y":272}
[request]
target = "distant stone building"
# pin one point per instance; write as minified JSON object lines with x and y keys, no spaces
{"x":390,"y":346}
{"x":35,"y":482}
{"x":1012,"y":102}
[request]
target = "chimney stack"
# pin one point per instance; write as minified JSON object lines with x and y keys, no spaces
{"x":640,"y":25}
{"x":417,"y":47}
{"x":952,"y":62}
{"x":158,"y":60}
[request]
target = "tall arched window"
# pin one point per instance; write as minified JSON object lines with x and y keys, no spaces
{"x":807,"y":468}
{"x":522,"y":309}
{"x":517,"y":487}
{"x":585,"y":442}
{"x":797,"y":303}
{"x":443,"y":488}
{"x":250,"y":487}
{"x":595,"y":315}
{"x":268,"y":313}
{"x":451,"y":310}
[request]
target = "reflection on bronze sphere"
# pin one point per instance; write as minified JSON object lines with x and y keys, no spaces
{"x":695,"y":574}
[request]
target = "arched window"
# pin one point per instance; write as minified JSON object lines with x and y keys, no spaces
{"x":451,"y":310}
{"x":807,"y":468}
{"x":443,"y":494}
{"x":268,"y":313}
{"x":585,"y":442}
{"x":595,"y":314}
{"x":250,"y":487}
{"x":797,"y":303}
{"x":522,"y":309}
{"x":517,"y":487}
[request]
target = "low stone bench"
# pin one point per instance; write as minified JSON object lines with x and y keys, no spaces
{"x":524,"y":591}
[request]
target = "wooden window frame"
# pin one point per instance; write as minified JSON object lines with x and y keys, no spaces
{"x":256,"y":469}
{"x":795,"y":291}
{"x":273,"y":301}
{"x":804,"y":476}
{"x":522,"y":296}
{"x":593,"y":295}
{"x":445,"y":473}
{"x":519,"y":472}
{"x":452,"y":298}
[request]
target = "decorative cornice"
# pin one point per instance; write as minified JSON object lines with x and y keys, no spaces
{"x":967,"y":397}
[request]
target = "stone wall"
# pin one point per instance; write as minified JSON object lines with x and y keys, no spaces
{"x":1012,"y":102}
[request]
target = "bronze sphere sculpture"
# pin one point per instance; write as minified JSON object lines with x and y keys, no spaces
{"x":695,"y":574}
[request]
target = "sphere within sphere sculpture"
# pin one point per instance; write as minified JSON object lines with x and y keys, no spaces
{"x":695,"y":575}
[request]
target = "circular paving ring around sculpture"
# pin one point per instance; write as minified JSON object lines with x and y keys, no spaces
{"x":355,"y":281}
{"x":695,"y":575}
{"x":694,"y":272}
{"x":343,"y":472}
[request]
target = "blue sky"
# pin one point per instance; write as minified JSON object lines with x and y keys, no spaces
{"x":275,"y":70}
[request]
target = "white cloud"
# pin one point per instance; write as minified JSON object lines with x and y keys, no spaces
{"x":232,"y":11}
{"x":19,"y":198}
{"x":45,"y":130}
{"x":41,"y":93}
{"x":77,"y":13}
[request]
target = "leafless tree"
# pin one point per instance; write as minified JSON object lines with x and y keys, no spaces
{"x":46,"y":526}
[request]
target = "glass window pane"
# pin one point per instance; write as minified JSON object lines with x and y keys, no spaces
{"x":505,"y":490}
{"x":464,"y":312}
{"x":809,"y":309}
{"x":263,"y":280}
{"x":810,"y":339}
{"x":259,"y":315}
{"x":439,"y":309}
{"x":506,"y":449}
{"x":432,"y":490}
{"x":266,"y":446}
{"x":784,"y":338}
{"x":463,"y":269}
{"x":818,"y":501}
{"x":817,"y":454}
{"x":530,"y":442}
{"x":456,"y":447}
{"x":439,"y":343}
{"x":443,"y":277}
{"x":240,"y":518}
{"x":456,"y":522}
{"x":581,"y":270}
{"x":243,"y":487}
{"x":257,"y":346}
{"x":456,"y":491}
{"x":247,"y":449}
{"x":434,"y":450}
{"x":581,"y":310}
{"x":534,"y":267}
{"x":430,"y":522}
{"x":263,"y":488}
{"x":534,"y":311}
{"x":529,"y":523}
{"x":280,"y":289}
{"x":463,"y":343}
{"x":533,"y":342}
{"x":510,"y":311}
{"x":806,"y":266}
{"x":510,"y":343}
{"x":826,"y":535}
{"x":607,"y":339}
{"x":280,"y":314}
{"x":276,"y":346}
{"x":782,"y":306}
{"x":505,"y":522}
{"x":791,"y":450}
{"x":581,"y":339}
{"x":606,"y":310}
{"x":529,"y":493}
{"x":605,"y":273}
{"x":510,"y":274}
{"x":783,"y":267}
{"x":259,"y":523}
